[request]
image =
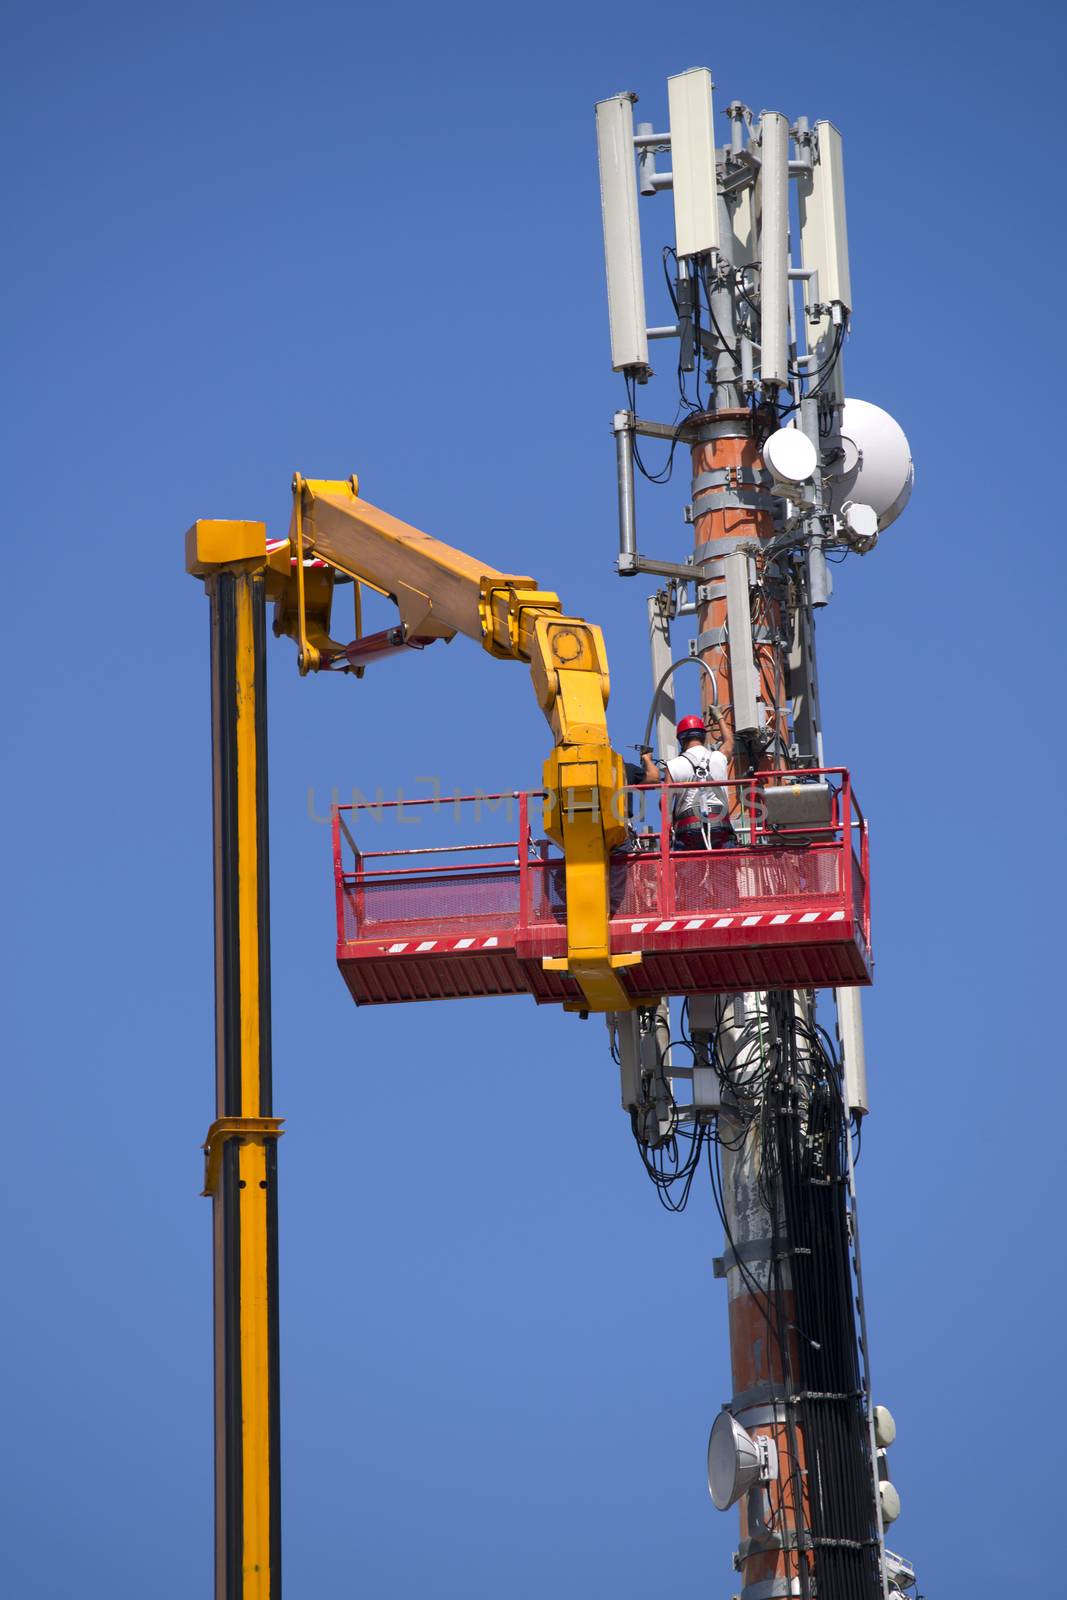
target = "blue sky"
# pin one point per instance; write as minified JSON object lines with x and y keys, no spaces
{"x":251,"y":239}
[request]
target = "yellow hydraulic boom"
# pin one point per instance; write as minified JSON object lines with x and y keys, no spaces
{"x":440,"y":592}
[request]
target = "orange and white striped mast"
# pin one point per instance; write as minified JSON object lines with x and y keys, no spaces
{"x":765,"y":500}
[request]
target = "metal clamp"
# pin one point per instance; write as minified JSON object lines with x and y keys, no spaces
{"x":804,"y":1395}
{"x":759,"y":1394}
{"x":736,"y":500}
{"x":226,"y":1128}
{"x":768,"y":1416}
{"x":753,"y":1250}
{"x":761,"y":1543}
{"x":714,"y":428}
{"x":844,"y":1544}
{"x":712,"y":637}
{"x":718,"y":548}
{"x":770,"y":1589}
{"x":730,"y":478}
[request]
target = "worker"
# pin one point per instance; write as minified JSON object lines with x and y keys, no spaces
{"x":700,"y":816}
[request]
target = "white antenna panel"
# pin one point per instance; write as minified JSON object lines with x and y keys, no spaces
{"x":774,"y":248}
{"x":622,"y":234}
{"x":696,"y":201}
{"x":823,"y":229}
{"x":743,"y":208}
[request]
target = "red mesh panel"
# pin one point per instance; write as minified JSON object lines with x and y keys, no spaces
{"x":451,"y":902}
{"x":858,"y":887}
{"x":548,"y":897}
{"x":635,"y":886}
{"x":741,"y":880}
{"x":722,"y":880}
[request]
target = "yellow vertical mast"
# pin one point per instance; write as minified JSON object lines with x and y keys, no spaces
{"x":241,"y":1146}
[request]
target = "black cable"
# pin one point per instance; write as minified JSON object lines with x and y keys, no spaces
{"x":834,"y":358}
{"x":664,"y":474}
{"x":723,"y":340}
{"x":831,"y":359}
{"x":668,"y":251}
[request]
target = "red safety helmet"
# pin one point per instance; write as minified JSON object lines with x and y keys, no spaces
{"x":690,"y":725}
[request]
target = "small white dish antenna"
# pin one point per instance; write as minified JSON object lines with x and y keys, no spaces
{"x":790,"y":455}
{"x":890,"y":1502}
{"x":885,"y":1427}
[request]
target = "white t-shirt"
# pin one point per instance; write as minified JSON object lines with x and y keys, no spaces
{"x":706,"y":766}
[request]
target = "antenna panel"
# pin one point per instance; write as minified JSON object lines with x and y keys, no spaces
{"x":823,"y":230}
{"x":774,"y":248}
{"x":696,"y":212}
{"x":622,"y":234}
{"x":743,"y":211}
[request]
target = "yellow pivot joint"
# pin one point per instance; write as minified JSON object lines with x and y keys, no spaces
{"x":508,"y":607}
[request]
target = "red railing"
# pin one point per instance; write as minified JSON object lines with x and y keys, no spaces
{"x":448,"y":886}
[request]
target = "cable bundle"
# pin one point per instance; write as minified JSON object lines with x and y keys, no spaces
{"x":782,"y":1087}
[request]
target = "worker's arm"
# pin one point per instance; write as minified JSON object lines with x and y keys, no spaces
{"x":649,"y":767}
{"x":724,"y":730}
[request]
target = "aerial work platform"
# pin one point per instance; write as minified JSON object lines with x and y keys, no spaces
{"x":786,"y":907}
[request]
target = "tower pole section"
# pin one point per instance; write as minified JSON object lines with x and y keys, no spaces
{"x":727,"y":468}
{"x":241,"y":1167}
{"x":727,"y":471}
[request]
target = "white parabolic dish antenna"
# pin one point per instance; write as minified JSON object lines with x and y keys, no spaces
{"x":877,"y":468}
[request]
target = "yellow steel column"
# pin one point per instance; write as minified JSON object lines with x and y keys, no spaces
{"x":241,"y":1147}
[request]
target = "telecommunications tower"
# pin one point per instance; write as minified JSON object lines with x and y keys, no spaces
{"x":787,"y":477}
{"x":701,"y":905}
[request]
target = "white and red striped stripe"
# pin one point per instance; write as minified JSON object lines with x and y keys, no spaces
{"x":762,"y":919}
{"x":423,"y":947}
{"x":678,"y":925}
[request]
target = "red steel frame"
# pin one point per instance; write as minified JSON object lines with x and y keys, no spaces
{"x":785,"y":908}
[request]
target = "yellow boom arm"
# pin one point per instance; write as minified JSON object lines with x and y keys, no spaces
{"x":440,"y":592}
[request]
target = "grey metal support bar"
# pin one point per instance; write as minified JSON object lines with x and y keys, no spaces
{"x":624,"y":468}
